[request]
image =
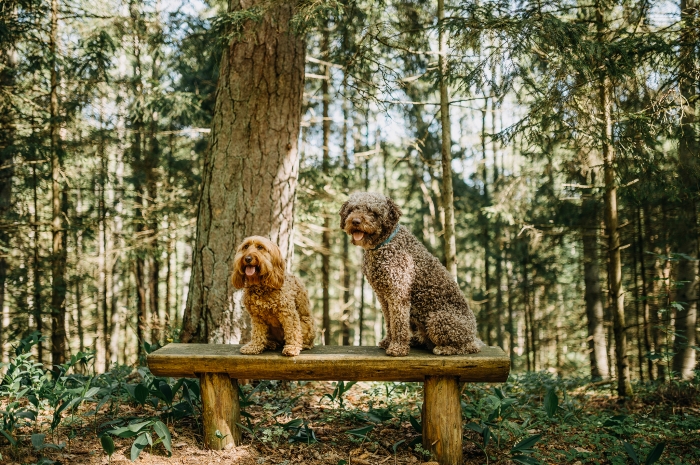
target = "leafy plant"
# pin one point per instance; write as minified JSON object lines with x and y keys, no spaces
{"x":521,"y":452}
{"x":551,"y":403}
{"x":652,"y":457}
{"x":143,"y":431}
{"x":340,"y":389}
{"x":107,"y":446}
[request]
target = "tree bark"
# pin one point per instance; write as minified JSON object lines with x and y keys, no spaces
{"x":650,"y":277}
{"x":36,"y":268}
{"x":687,"y":229}
{"x":58,"y":259}
{"x":151,"y":163}
{"x":326,"y":235}
{"x":138,"y":172}
{"x":592,"y":293}
{"x":7,"y":150}
{"x":446,"y":149}
{"x":345,"y":258}
{"x":250,"y":171}
{"x":617,"y":296}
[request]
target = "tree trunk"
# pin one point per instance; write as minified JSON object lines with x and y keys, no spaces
{"x":511,"y":320}
{"x":687,"y":239}
{"x":529,"y":345}
{"x":326,"y":235}
{"x":617,"y":297}
{"x":650,"y":290}
{"x":594,"y":302}
{"x":7,"y":150}
{"x":137,"y":167}
{"x":58,"y":259}
{"x":347,"y":310}
{"x":250,"y":171}
{"x":485,"y":314}
{"x":640,"y":353}
{"x":446,"y":149}
{"x":36,"y":268}
{"x":151,"y":162}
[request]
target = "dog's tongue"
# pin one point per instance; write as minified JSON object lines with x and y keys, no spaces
{"x":358,"y":235}
{"x":249,"y":270}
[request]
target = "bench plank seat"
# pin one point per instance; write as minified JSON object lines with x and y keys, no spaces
{"x":327,"y":363}
{"x":219,"y":366}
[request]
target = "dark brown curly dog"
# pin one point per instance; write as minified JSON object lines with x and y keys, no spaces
{"x":421,"y":302}
{"x":278,"y":304}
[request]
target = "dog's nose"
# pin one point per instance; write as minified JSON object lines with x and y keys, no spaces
{"x":248,"y":259}
{"x":356,"y":222}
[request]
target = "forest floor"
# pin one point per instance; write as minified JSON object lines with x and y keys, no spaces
{"x":534,"y":418}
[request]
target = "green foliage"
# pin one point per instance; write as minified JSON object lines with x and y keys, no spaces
{"x":340,"y":388}
{"x":63,"y":392}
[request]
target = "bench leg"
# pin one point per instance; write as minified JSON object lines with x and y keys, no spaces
{"x":221,"y":410}
{"x":442,"y":419}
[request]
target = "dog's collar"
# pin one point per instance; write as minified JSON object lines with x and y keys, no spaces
{"x":388,"y":239}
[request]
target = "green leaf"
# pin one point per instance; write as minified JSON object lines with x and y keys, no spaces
{"x":139,"y":444}
{"x":107,"y":444}
{"x":167,"y":392}
{"x":347,"y":386}
{"x":136,"y":427}
{"x":9,"y":437}
{"x":525,"y":460}
{"x":487,"y":436}
{"x":631,"y":452}
{"x":141,"y":393}
{"x":525,"y":444}
{"x":91,"y":392}
{"x":244,"y":428}
{"x":361,"y":432}
{"x":123,"y":432}
{"x":551,"y":403}
{"x":38,"y":441}
{"x":416,"y":425}
{"x":164,"y":434}
{"x":474,"y":427}
{"x":292,"y":424}
{"x":397,"y":444}
{"x":655,"y":454}
{"x":342,"y":462}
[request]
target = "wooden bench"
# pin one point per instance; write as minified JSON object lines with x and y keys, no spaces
{"x":219,"y":366}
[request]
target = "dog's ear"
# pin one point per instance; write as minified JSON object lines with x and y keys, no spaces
{"x":394,"y":212}
{"x":238,"y":279}
{"x":275,"y":278}
{"x":344,"y":212}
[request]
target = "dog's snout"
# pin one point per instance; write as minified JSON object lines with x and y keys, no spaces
{"x":248,"y":259}
{"x":356,"y":221}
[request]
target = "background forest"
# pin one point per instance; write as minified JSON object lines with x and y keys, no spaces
{"x":573,"y":147}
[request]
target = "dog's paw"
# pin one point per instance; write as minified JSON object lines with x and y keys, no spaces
{"x":291,"y":351}
{"x":385,"y":343}
{"x":252,"y":349}
{"x":446,"y":350}
{"x":398,"y":350}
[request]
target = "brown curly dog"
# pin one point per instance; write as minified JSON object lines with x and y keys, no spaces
{"x":278,"y":304}
{"x":421,"y":302}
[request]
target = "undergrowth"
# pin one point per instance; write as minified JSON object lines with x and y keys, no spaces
{"x":533,"y":418}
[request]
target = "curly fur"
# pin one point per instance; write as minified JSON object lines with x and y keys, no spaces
{"x":278,"y":304}
{"x":422,"y":304}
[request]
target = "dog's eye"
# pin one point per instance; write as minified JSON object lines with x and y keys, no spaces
{"x":260,"y":247}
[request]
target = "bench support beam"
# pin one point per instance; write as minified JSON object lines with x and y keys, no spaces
{"x":222,"y":410}
{"x":442,"y":419}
